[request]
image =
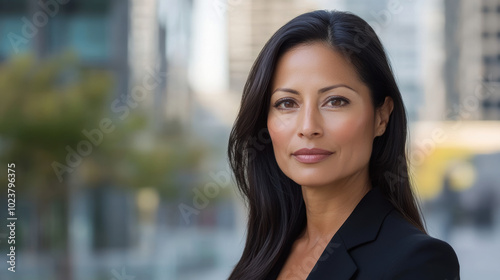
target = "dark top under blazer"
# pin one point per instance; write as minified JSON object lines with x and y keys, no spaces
{"x":376,"y":242}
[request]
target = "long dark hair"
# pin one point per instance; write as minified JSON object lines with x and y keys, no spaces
{"x":275,"y":202}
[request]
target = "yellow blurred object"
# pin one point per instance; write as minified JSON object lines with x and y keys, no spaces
{"x":462,"y":175}
{"x":428,"y":176}
{"x":445,"y":149}
{"x":148,"y":200}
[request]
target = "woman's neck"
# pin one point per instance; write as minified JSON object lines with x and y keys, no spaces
{"x":327,"y":207}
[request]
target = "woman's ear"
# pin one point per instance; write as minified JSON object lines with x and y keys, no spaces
{"x":382,"y":115}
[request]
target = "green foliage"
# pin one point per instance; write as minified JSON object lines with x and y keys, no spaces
{"x":45,"y":104}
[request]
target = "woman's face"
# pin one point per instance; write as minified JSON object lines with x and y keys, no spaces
{"x":319,"y":102}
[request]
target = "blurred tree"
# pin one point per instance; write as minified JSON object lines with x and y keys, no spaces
{"x":45,"y":104}
{"x":45,"y":107}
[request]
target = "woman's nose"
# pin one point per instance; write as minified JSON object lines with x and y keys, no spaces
{"x":310,"y":123}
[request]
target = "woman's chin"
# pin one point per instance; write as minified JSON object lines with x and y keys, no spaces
{"x":312,"y":182}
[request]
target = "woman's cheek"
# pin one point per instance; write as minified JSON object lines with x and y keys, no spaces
{"x":353,"y":136}
{"x":343,"y":128}
{"x":278,"y":123}
{"x":281,"y":130}
{"x":276,"y":130}
{"x":281,"y":127}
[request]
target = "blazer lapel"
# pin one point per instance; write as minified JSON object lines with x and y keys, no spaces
{"x":334,"y":263}
{"x":361,"y":227}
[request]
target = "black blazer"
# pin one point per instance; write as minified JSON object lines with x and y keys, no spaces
{"x":376,"y":242}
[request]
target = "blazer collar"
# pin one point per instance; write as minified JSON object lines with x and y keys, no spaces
{"x":361,"y":226}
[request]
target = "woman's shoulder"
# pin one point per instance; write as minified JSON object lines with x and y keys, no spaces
{"x":414,"y":254}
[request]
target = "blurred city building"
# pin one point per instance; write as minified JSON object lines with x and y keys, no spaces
{"x":146,"y":56}
{"x":249,"y":25}
{"x":175,"y":39}
{"x":96,"y":31}
{"x":491,"y":59}
{"x":472,"y":65}
{"x":462,"y":98}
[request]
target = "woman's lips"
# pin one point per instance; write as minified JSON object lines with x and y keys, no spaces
{"x":311,"y":158}
{"x":311,"y":155}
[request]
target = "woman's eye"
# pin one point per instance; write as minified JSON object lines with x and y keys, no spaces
{"x":284,"y":104}
{"x":337,"y":102}
{"x":290,"y":104}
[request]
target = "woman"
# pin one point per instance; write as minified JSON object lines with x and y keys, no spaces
{"x":318,"y":151}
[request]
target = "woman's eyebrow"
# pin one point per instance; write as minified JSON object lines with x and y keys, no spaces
{"x":321,"y":90}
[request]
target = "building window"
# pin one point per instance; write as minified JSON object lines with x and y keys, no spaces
{"x":87,"y":34}
{"x":84,"y":27}
{"x":11,"y":28}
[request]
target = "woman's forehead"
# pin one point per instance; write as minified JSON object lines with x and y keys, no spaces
{"x":314,"y":63}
